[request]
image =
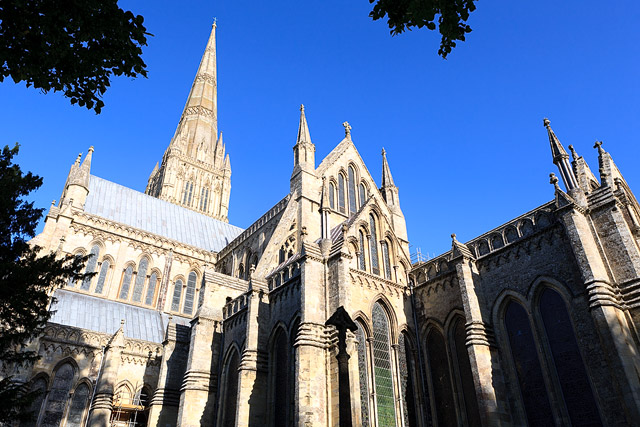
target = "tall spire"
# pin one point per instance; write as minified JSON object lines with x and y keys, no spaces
{"x":387,"y":179}
{"x":198,"y":126}
{"x":561,"y":158}
{"x":304,"y":150}
{"x":303,"y":128}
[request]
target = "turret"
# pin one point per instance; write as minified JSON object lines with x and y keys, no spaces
{"x":76,"y":188}
{"x":304,"y":150}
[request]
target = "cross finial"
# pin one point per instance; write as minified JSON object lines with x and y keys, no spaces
{"x":553,"y":179}
{"x":347,"y":129}
{"x":598,"y":145}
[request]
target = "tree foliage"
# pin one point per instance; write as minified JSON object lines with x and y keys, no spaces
{"x":73,"y":46}
{"x":27,"y":280}
{"x":451,"y":17}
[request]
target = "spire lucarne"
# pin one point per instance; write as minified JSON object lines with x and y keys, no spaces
{"x":195,"y":171}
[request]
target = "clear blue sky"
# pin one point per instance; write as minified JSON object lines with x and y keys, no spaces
{"x":464,"y":136}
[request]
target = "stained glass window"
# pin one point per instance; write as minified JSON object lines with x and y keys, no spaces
{"x":177,"y":294}
{"x":126,"y":283}
{"x":92,"y":262}
{"x":363,"y":376}
{"x":231,"y":392}
{"x":525,"y":358}
{"x":280,"y":380}
{"x":151,"y":290}
{"x":373,"y":246}
{"x":362,"y":257}
{"x":341,"y":205}
{"x":441,"y":379}
{"x":58,"y":395}
{"x":363,"y":194}
{"x":572,"y":373}
{"x":190,"y":294}
{"x":385,"y":259}
{"x":77,"y":407}
{"x":104,"y":269}
{"x":406,"y":381}
{"x":332,"y":195}
{"x":40,"y":387}
{"x":140,"y":278}
{"x":353,"y":203}
{"x":385,"y":402}
{"x":466,"y":375}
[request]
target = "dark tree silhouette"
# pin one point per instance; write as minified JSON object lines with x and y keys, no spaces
{"x":450,"y":15}
{"x":27,"y":280}
{"x":73,"y":46}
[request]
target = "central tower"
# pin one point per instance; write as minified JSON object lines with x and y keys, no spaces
{"x":195,"y":171}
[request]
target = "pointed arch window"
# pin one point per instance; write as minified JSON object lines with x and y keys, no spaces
{"x":407,"y":381}
{"x":362,"y":256}
{"x":383,"y":381}
{"x":78,"y":406}
{"x":574,"y":381}
{"x":57,"y":398}
{"x":92,"y":262}
{"x":341,"y":201}
{"x":190,"y":293}
{"x":363,"y":376}
{"x":281,"y":390}
{"x":39,"y":387}
{"x":71,"y":282}
{"x":126,"y":283}
{"x":204,"y":199}
{"x":188,"y":193}
{"x":363,"y":194}
{"x":332,"y":195}
{"x":138,"y":287}
{"x":102,"y":276}
{"x":525,"y":357}
{"x":373,"y":245}
{"x":151,"y":290}
{"x":385,"y":259}
{"x":230,"y":395}
{"x":177,"y":294}
{"x":353,"y":203}
{"x":465,"y":374}
{"x":445,"y":410}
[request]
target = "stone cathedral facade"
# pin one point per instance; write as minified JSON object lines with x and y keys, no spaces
{"x":190,"y":321}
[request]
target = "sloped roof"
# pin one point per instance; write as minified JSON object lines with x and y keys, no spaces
{"x":102,"y":315}
{"x":130,"y":207}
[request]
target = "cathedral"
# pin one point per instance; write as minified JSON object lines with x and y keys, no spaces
{"x":316,"y":314}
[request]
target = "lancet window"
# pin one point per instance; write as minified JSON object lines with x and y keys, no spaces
{"x":177,"y":295}
{"x":407,"y":381}
{"x":204,"y":199}
{"x":353,"y":203}
{"x":385,"y":259}
{"x":190,"y":293}
{"x":383,"y":378}
{"x":39,"y":387}
{"x":373,"y":246}
{"x":341,"y":195}
{"x":57,"y":398}
{"x":78,"y":406}
{"x":445,"y":411}
{"x":280,"y":380}
{"x":362,"y":256}
{"x":188,"y":193}
{"x":126,"y":283}
{"x":332,"y":195}
{"x":151,"y":289}
{"x":140,"y":279}
{"x":230,"y":395}
{"x":465,"y":375}
{"x":102,"y":276}
{"x":92,"y":262}
{"x":363,"y":194}
{"x":363,"y":376}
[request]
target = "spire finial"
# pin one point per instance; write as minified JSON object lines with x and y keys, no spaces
{"x":553,"y":179}
{"x":91,"y":149}
{"x":453,"y":237}
{"x":347,"y":130}
{"x":215,"y":22}
{"x":303,"y":128}
{"x":546,"y":122}
{"x":598,"y":145}
{"x":78,"y":158}
{"x":384,"y":152}
{"x":573,"y":153}
{"x":302,"y":107}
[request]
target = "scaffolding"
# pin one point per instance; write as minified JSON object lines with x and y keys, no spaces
{"x":128,"y":410}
